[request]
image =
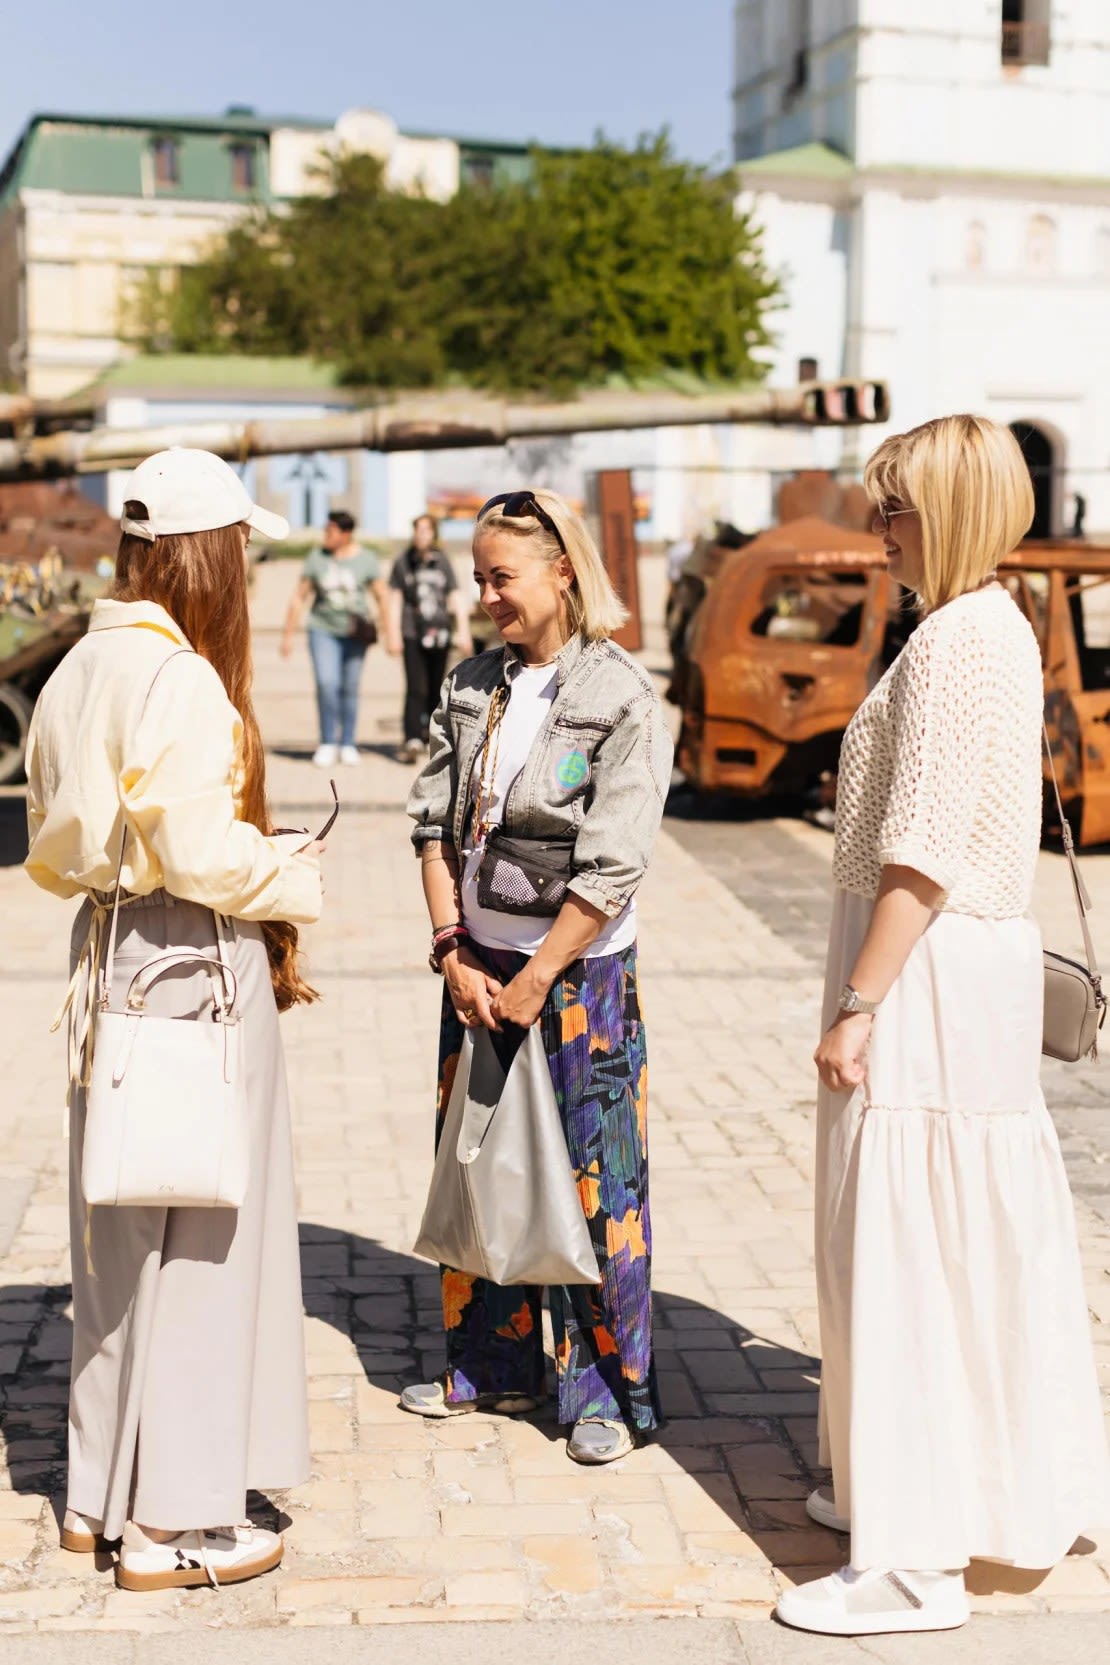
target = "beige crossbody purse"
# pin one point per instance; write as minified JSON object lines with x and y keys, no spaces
{"x":1074,"y":1004}
{"x":166,"y":1121}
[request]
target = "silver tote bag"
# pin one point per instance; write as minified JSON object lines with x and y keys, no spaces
{"x":503,"y":1203}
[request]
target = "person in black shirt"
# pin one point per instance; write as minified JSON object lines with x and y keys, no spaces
{"x":423,"y":594}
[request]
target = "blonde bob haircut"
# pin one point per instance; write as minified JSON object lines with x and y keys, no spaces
{"x":594,"y":609}
{"x":968,"y":481}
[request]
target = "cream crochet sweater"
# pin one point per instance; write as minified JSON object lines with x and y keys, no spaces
{"x":940,"y":767}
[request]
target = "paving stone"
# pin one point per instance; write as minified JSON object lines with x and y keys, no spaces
{"x":484,"y":1519}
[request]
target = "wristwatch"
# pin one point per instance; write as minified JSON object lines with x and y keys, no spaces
{"x":852,"y":1001}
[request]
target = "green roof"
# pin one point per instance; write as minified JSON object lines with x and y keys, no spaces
{"x":108,"y":155}
{"x":821,"y":162}
{"x":217,"y":373}
{"x":810,"y":161}
{"x":209,"y":372}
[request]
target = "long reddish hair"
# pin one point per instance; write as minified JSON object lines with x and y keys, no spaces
{"x":200,"y":578}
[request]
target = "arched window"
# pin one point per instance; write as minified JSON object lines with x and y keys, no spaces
{"x":975,"y":246}
{"x":1040,"y":244}
{"x":1040,"y":459}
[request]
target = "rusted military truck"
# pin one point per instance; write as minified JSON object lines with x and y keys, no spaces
{"x":800,"y":624}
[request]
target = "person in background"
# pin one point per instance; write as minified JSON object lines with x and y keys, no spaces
{"x":423,"y":593}
{"x":335,"y":583}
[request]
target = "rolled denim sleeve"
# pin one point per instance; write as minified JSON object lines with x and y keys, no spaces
{"x":432,"y":798}
{"x":631,"y":774}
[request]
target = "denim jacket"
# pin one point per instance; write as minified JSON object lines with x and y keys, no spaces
{"x":597,"y":773}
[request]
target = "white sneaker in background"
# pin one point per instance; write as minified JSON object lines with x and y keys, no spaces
{"x":349,"y":754}
{"x":875,"y":1602}
{"x":821,"y":1508}
{"x":325,"y":757}
{"x":216,"y":1555}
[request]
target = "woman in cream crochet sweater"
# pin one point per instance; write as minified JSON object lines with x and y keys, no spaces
{"x":959,"y":1404}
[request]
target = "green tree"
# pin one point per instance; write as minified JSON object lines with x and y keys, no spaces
{"x":342,"y":275}
{"x":607,"y":263}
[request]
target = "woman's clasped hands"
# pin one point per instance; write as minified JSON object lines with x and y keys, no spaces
{"x":480,"y":999}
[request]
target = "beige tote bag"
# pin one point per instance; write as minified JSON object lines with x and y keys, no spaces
{"x":166,"y":1121}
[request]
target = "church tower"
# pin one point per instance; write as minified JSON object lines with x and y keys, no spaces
{"x":934,"y":184}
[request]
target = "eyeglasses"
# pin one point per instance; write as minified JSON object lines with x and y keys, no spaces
{"x":519,"y":504}
{"x":324,"y":830}
{"x":887,"y":514}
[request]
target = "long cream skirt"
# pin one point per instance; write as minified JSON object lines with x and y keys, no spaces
{"x":188,"y":1382}
{"x":959,"y":1403}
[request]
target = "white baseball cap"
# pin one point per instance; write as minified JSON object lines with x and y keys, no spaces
{"x":184,"y":490}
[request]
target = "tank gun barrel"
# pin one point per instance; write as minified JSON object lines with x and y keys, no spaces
{"x":438,"y":421}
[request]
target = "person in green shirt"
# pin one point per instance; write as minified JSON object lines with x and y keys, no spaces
{"x":335,"y":583}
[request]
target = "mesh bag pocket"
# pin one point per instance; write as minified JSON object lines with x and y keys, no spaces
{"x":516,"y":879}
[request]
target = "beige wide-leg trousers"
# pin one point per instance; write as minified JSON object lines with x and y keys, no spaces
{"x":188,"y":1383}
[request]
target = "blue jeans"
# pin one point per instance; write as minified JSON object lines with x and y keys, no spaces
{"x":337,"y":662}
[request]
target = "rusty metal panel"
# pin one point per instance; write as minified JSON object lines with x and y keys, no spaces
{"x":617,"y":516}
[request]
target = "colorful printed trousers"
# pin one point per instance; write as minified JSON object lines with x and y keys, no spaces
{"x":594,"y":1039}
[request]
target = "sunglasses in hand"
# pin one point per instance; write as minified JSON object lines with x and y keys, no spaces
{"x":324,"y":830}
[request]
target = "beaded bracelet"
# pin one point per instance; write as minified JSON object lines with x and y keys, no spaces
{"x":445,"y":941}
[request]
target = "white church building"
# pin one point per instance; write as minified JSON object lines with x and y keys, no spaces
{"x":933,"y":183}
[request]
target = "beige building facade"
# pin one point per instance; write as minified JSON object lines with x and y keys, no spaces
{"x":93,"y":209}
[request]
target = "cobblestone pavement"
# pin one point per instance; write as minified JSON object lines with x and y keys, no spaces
{"x":484,"y":1518}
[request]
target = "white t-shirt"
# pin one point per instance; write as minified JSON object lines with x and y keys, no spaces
{"x":530,"y":695}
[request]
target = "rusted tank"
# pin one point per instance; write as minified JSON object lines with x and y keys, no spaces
{"x":52,"y":538}
{"x":40,"y":518}
{"x":802,"y":622}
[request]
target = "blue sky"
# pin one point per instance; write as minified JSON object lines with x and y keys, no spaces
{"x":512,"y":69}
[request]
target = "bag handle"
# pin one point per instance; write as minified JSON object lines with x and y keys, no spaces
{"x":1082,"y":895}
{"x":219,"y":983}
{"x":221,"y":971}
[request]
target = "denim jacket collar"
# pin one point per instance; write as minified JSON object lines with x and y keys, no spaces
{"x":565,"y":660}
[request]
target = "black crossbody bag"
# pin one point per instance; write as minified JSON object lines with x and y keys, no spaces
{"x":524,"y":875}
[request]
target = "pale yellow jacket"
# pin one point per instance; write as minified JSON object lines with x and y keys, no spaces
{"x":97,"y":761}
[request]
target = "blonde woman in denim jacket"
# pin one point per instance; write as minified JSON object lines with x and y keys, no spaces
{"x":559,"y":738}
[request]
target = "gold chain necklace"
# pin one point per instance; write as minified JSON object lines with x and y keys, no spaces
{"x":483,"y":803}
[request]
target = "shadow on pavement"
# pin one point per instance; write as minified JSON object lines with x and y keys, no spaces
{"x":367,"y":748}
{"x":13,"y":830}
{"x":741,"y":1409}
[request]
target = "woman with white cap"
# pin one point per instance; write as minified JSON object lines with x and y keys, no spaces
{"x":188,"y":1384}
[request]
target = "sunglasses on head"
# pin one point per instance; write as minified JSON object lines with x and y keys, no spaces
{"x":519,"y":505}
{"x":324,"y":830}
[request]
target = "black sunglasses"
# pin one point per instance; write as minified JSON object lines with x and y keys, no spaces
{"x":516,"y":505}
{"x":324,"y":830}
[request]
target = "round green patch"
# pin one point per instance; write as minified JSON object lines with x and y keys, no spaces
{"x":572,"y":771}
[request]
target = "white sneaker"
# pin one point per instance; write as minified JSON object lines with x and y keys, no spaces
{"x":872,"y":1603}
{"x":821,"y":1508}
{"x":349,"y":754}
{"x":216,"y":1555}
{"x":325,"y":757}
{"x":82,"y":1534}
